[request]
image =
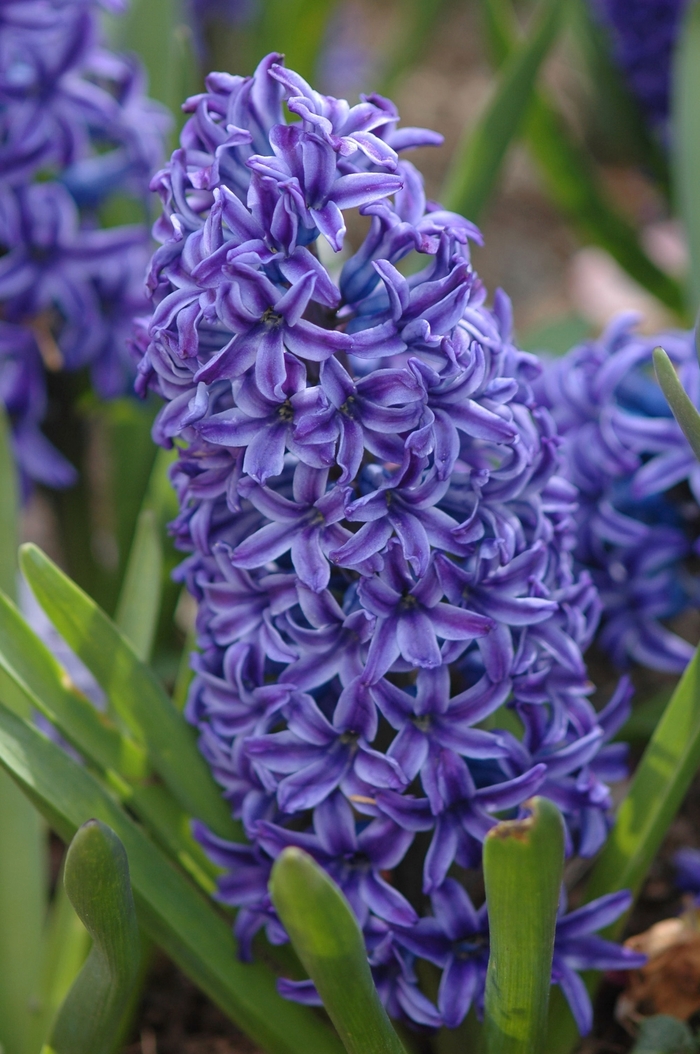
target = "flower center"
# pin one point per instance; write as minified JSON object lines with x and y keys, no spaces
{"x":271,"y":318}
{"x":286,"y":412}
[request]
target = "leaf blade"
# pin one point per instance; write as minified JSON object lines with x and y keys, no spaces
{"x":96,"y":879}
{"x":683,"y":409}
{"x":328,"y":941}
{"x":474,"y":169}
{"x":139,"y":600}
{"x":172,"y":912}
{"x":523,"y":870}
{"x":657,"y":789}
{"x":570,"y":179}
{"x":131,"y":688}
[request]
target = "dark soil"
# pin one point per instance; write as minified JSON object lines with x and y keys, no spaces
{"x":175,"y":1018}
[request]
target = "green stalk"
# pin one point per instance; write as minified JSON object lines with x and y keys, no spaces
{"x":523,"y":868}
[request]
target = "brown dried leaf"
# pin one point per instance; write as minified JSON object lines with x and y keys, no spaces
{"x":670,"y":981}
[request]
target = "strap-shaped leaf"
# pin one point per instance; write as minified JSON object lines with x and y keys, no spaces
{"x":523,"y":869}
{"x":42,"y":684}
{"x":159,"y":32}
{"x":131,"y":688}
{"x":658,"y":787}
{"x":570,"y":179}
{"x":178,"y":918}
{"x":477,"y":161}
{"x":139,"y":600}
{"x":23,"y":861}
{"x":685,"y":139}
{"x":23,"y":885}
{"x":96,"y":878}
{"x":296,"y":28}
{"x":419,"y":21}
{"x":683,"y":409}
{"x":34,"y":681}
{"x":328,"y":941}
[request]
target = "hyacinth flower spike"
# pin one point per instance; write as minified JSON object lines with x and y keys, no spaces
{"x":376,"y":534}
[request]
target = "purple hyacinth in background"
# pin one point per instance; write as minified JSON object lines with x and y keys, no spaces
{"x":643,"y":37}
{"x":75,"y":127}
{"x":638,"y":483}
{"x":380,"y":542}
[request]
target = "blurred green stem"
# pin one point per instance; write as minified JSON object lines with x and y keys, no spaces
{"x":23,"y":861}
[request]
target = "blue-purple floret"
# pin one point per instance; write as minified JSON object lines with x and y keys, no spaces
{"x":380,"y":541}
{"x":638,"y":483}
{"x":643,"y":37}
{"x":75,"y":128}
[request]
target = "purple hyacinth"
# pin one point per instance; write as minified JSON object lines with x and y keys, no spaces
{"x":75,"y":127}
{"x":639,"y":486}
{"x":379,"y":542}
{"x":643,"y":38}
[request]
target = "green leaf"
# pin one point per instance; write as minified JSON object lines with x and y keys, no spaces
{"x":134,"y":694}
{"x":96,"y":878}
{"x":34,"y":681}
{"x":523,"y":870}
{"x":328,"y":941}
{"x":297,"y":28}
{"x":477,"y":161}
{"x":683,"y":409}
{"x":40,"y":683}
{"x":685,"y":138}
{"x":185,"y":673}
{"x":570,"y":179}
{"x":662,"y":1034}
{"x":417,"y":23}
{"x":158,"y":31}
{"x":139,"y":600}
{"x":658,"y":787}
{"x":23,"y":896}
{"x":23,"y":863}
{"x":173,"y":913}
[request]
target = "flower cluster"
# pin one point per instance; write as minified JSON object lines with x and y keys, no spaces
{"x":75,"y":127}
{"x":380,"y":544}
{"x":638,"y":483}
{"x":643,"y":39}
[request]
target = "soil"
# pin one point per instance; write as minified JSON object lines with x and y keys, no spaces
{"x":175,"y":1018}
